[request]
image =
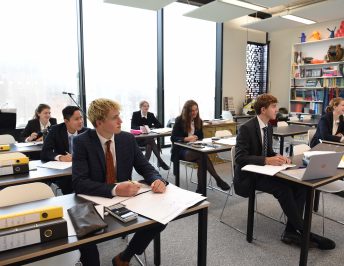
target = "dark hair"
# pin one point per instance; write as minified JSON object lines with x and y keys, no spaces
{"x":264,"y":100}
{"x":39,"y":109}
{"x":333,"y":103}
{"x":68,"y":111}
{"x":186,"y":116}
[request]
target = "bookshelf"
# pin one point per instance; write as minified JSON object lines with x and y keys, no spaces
{"x":313,"y":81}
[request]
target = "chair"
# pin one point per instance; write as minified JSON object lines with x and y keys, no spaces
{"x":32,"y":192}
{"x":225,"y":156}
{"x":282,"y":124}
{"x":7,"y":139}
{"x":300,"y":148}
{"x":310,"y":135}
{"x":334,"y":187}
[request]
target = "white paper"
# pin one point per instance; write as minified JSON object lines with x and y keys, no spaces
{"x":309,"y":154}
{"x":162,"y":130}
{"x":341,"y":163}
{"x":28,"y":144}
{"x":56,"y":165}
{"x":266,"y":169}
{"x":227,"y":141}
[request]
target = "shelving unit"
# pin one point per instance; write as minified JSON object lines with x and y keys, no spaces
{"x":311,"y":83}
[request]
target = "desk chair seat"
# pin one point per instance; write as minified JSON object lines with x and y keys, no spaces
{"x":7,"y":139}
{"x":334,"y":187}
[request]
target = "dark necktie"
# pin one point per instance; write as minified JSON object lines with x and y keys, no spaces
{"x":70,"y":143}
{"x":110,"y":167}
{"x":265,"y":141}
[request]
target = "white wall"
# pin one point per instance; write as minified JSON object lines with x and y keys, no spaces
{"x":280,"y":56}
{"x":234,"y":61}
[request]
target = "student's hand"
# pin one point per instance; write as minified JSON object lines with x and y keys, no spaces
{"x":158,"y":186}
{"x":65,"y":158}
{"x":276,"y":160}
{"x":39,"y":139}
{"x":32,"y":136}
{"x":191,"y":138}
{"x":127,"y":189}
{"x":339,"y":135}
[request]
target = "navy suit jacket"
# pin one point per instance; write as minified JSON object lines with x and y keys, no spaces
{"x":33,"y":125}
{"x":178,"y":135}
{"x":324,"y":129}
{"x":89,"y":167}
{"x":56,"y":142}
{"x":137,"y":120}
{"x":248,"y":150}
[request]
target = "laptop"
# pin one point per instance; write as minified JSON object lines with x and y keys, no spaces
{"x":319,"y":166}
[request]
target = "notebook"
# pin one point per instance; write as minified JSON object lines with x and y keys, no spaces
{"x":319,"y":166}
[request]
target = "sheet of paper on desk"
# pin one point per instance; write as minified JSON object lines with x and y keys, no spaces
{"x":111,"y":201}
{"x":28,"y":144}
{"x":308,"y":154}
{"x":162,"y":130}
{"x":266,"y":169}
{"x":163,"y":207}
{"x":227,"y":141}
{"x":341,"y":163}
{"x":56,"y":165}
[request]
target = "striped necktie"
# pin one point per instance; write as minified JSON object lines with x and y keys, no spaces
{"x":70,"y":143}
{"x":265,"y":141}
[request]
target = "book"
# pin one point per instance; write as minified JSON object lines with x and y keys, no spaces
{"x":26,"y":235}
{"x":13,"y":158}
{"x":5,"y":147}
{"x":30,"y":216}
{"x":14,"y":169}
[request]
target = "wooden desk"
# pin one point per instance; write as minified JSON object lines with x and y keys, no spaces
{"x":310,"y":187}
{"x":309,"y":122}
{"x":244,"y":117}
{"x":204,"y":153}
{"x":115,"y":229}
{"x":289,"y":131}
{"x":38,"y":175}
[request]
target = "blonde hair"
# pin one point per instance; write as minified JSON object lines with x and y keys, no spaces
{"x":333,"y":103}
{"x":99,"y":109}
{"x":142,"y":103}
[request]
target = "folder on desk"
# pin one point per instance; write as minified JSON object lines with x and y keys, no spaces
{"x":32,"y":234}
{"x":13,"y":158}
{"x":14,"y":169}
{"x":5,"y":147}
{"x":30,"y":216}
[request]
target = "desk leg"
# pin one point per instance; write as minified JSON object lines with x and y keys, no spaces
{"x":176,"y":166}
{"x":250,"y":215}
{"x":202,"y":237}
{"x":157,"y":250}
{"x":307,"y":227}
{"x":204,"y":174}
{"x":281,"y":145}
{"x":316,"y":200}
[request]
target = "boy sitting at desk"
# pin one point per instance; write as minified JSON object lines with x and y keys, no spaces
{"x":254,"y":146}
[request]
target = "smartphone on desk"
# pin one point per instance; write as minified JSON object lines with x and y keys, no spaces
{"x":120,"y":212}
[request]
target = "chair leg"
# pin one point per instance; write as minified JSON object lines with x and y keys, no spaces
{"x":323,"y":212}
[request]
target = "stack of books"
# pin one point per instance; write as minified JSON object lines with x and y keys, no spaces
{"x":13,"y":163}
{"x":31,"y":227}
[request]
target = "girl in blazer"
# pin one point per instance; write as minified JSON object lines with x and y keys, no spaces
{"x":188,"y":127}
{"x":40,"y":122}
{"x":145,"y":118}
{"x":331,"y":124}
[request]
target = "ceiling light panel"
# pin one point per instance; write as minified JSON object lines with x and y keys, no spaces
{"x":298,"y":19}
{"x":144,"y":4}
{"x":273,"y":24}
{"x":219,"y":12}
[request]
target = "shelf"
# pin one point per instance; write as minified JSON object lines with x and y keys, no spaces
{"x":320,"y":41}
{"x":305,"y":101}
{"x":322,"y":64}
{"x":319,"y":77}
{"x":315,"y":88}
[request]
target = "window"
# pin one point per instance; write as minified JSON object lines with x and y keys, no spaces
{"x":189,"y":61}
{"x":256,"y":69}
{"x":38,"y":55}
{"x":120,"y":56}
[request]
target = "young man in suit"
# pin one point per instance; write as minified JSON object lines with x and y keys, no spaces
{"x":103,"y":161}
{"x":58,"y":145}
{"x":254,"y":146}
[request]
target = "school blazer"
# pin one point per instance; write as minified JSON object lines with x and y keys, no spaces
{"x":33,"y":125}
{"x":150,"y":121}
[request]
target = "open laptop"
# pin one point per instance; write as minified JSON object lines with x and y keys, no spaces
{"x":319,"y":166}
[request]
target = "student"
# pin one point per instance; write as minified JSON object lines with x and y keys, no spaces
{"x":253,"y":136}
{"x":331,"y":124}
{"x":103,"y":161}
{"x":40,"y":123}
{"x":188,"y":127}
{"x":142,"y":118}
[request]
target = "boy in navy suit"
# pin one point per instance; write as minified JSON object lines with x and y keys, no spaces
{"x":103,"y":161}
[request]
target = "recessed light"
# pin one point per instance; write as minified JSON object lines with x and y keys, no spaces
{"x":243,"y":4}
{"x":299,"y":19}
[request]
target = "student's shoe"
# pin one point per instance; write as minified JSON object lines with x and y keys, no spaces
{"x":163,"y":165}
{"x":322,"y":243}
{"x":116,"y":261}
{"x":223,"y":185}
{"x":291,"y":238}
